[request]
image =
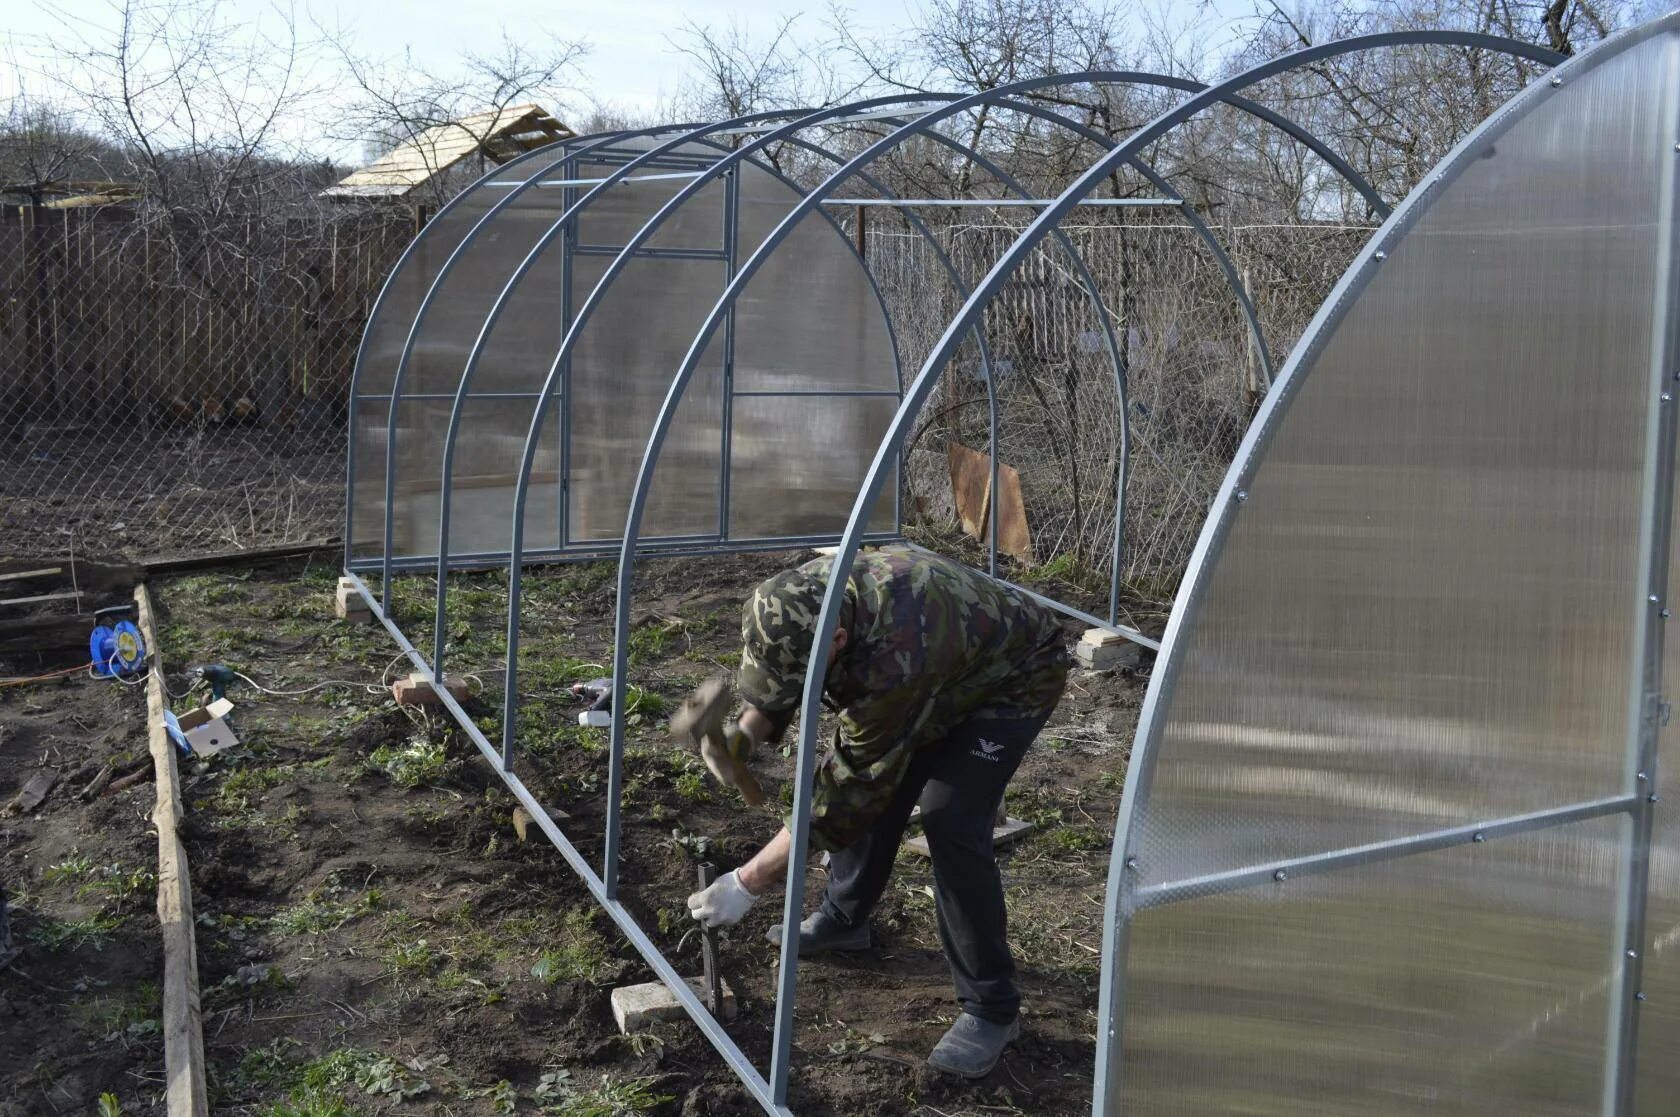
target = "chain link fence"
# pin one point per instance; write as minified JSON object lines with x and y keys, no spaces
{"x":169,"y":391}
{"x":1193,"y":373}
{"x":163,"y":393}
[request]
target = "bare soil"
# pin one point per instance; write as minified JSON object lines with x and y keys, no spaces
{"x":374,"y":938}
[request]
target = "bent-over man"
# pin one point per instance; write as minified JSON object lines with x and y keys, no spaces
{"x":941,"y":678}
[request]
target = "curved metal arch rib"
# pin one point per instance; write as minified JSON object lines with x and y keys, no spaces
{"x":359,"y":367}
{"x":917,"y":393}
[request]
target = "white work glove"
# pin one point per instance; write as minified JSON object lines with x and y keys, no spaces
{"x":723,"y":903}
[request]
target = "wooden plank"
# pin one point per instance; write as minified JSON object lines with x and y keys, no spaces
{"x":183,"y":1028}
{"x":251,"y":557}
{"x":42,"y":598}
{"x":970,"y":487}
{"x":20,"y":575}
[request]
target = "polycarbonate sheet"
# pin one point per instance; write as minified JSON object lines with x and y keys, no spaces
{"x":797,"y":462}
{"x":1470,"y":981}
{"x":1424,"y":614}
{"x":487,"y":458}
{"x":616,"y":214}
{"x":621,"y":369}
{"x":1657,"y":1074}
{"x":448,"y":330}
{"x":799,"y":327}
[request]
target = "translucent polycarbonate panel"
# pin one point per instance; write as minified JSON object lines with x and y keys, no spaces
{"x":797,"y":462}
{"x":1424,"y":613}
{"x":621,"y":369}
{"x":487,"y":458}
{"x":448,"y":329}
{"x":800,"y":327}
{"x":1658,"y":1069}
{"x":1466,"y":982}
{"x":617,"y":213}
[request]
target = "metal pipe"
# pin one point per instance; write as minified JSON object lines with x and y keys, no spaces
{"x":1288,"y":869}
{"x":617,"y":912}
{"x":1003,"y":203}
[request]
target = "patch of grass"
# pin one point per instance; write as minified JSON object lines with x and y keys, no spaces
{"x":581,"y":955}
{"x":411,"y":959}
{"x":1068,"y":570}
{"x":643,"y":705}
{"x":417,"y":762}
{"x":314,"y":914}
{"x":244,"y":786}
{"x":653,"y":641}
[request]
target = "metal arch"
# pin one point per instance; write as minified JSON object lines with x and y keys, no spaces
{"x":847,"y":550}
{"x":483,"y":223}
{"x":408,"y":252}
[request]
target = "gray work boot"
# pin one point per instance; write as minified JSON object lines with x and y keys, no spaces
{"x":972,"y":1047}
{"x":819,"y":934}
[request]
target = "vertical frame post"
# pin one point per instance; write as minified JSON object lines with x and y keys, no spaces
{"x":731,"y":230}
{"x":1646,"y":703}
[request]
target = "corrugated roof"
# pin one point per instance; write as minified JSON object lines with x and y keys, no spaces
{"x":500,"y":134}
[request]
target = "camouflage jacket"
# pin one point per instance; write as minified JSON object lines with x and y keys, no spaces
{"x":930,"y":644}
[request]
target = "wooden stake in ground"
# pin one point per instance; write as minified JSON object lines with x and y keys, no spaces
{"x":183,"y":1029}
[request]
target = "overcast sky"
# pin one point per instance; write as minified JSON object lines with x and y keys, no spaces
{"x":631,"y":65}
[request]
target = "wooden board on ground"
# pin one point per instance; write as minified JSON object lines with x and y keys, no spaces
{"x":183,"y":1027}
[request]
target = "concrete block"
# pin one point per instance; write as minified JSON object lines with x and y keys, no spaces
{"x":1004,"y":834}
{"x":1101,"y":649}
{"x":350,"y":605}
{"x":416,"y":691}
{"x":638,"y":1007}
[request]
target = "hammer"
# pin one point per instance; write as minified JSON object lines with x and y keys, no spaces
{"x":700,"y":720}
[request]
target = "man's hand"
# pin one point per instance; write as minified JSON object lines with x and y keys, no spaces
{"x":726,"y":755}
{"x":722,"y":903}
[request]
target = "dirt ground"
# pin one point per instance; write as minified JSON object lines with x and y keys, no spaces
{"x":374,"y":938}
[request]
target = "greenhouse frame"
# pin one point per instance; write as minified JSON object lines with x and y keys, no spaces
{"x":1392,"y":835}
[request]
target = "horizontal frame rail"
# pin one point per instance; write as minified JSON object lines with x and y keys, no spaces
{"x":552,"y":182}
{"x":1214,"y":884}
{"x":959,"y":203}
{"x":708,"y":1025}
{"x":668,"y":547}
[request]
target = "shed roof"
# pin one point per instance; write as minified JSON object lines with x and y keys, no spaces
{"x":499,"y":134}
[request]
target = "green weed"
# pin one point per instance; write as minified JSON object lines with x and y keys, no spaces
{"x":581,"y":956}
{"x":611,"y":1097}
{"x":315,"y":915}
{"x":417,"y":762}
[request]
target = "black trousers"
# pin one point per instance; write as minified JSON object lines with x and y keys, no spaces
{"x":959,"y":783}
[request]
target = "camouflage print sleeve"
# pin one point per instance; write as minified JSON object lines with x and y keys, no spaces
{"x":859,"y":777}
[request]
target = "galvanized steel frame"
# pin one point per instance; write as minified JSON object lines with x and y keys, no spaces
{"x":771,"y":1092}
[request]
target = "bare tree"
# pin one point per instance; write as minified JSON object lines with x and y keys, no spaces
{"x":399,"y":99}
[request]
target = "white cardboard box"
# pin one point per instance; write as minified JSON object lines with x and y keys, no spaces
{"x":206,"y":728}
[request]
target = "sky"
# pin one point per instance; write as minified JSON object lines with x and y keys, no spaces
{"x":631,"y":65}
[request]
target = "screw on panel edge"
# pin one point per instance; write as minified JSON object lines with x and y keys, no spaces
{"x":1280,"y":876}
{"x":1633,"y":954}
{"x":1557,"y":82}
{"x":1242,"y":496}
{"x":1478,"y":837}
{"x":1131,"y":863}
{"x":1639,"y":996}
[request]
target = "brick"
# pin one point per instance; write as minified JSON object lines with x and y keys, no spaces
{"x":638,"y":1007}
{"x":1102,"y":650}
{"x":416,"y":691}
{"x":350,"y":605}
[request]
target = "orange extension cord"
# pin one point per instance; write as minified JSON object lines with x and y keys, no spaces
{"x":24,"y":680}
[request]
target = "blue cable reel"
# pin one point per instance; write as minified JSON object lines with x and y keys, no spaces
{"x":116,"y":649}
